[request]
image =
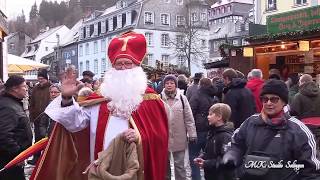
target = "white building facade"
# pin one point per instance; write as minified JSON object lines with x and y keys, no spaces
{"x":44,"y":43}
{"x":161,"y":21}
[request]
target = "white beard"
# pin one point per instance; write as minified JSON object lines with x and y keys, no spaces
{"x":125,"y":88}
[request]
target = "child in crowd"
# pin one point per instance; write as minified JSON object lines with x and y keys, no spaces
{"x":219,"y":137}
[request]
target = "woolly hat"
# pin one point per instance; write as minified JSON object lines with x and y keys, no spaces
{"x":172,"y":78}
{"x":43,"y":73}
{"x":276,"y":87}
{"x":13,"y":81}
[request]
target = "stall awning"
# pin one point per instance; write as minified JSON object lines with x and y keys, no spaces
{"x":18,"y":65}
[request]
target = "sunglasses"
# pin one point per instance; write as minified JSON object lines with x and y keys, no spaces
{"x":273,"y":99}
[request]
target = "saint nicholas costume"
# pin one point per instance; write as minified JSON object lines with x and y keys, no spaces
{"x":86,"y":128}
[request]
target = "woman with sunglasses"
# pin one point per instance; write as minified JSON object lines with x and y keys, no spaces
{"x":273,"y":145}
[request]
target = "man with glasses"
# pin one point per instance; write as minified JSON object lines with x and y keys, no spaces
{"x":125,"y":108}
{"x":15,"y":130}
{"x":272,"y":138}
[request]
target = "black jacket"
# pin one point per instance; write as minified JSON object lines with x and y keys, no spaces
{"x":288,"y":141}
{"x":306,"y":103}
{"x":217,"y":142}
{"x":15,"y":130}
{"x":200,"y":103}
{"x":241,"y":101}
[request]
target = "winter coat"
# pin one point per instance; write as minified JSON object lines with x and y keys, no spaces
{"x":217,"y":142}
{"x":39,"y":100}
{"x":192,"y":90}
{"x":255,"y":85}
{"x":288,"y":141}
{"x":15,"y":130}
{"x":241,"y":101}
{"x":306,"y":103}
{"x":293,"y":90}
{"x":200,"y":104}
{"x":181,"y":122}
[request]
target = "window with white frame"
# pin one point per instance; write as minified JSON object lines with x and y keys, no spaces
{"x":81,"y":50}
{"x":194,"y":16}
{"x":87,"y":49}
{"x":300,"y":2}
{"x":103,"y":45}
{"x":148,"y":18}
{"x":165,"y":60}
{"x":203,"y":16}
{"x":165,"y":19}
{"x":95,"y":47}
{"x":180,"y":41}
{"x":179,"y":2}
{"x":165,"y":40}
{"x":103,"y":65}
{"x":95,"y":66}
{"x":81,"y":68}
{"x":181,"y":61}
{"x":180,"y":21}
{"x":87,"y":65}
{"x":149,"y":38}
{"x":271,"y":5}
{"x":149,"y":59}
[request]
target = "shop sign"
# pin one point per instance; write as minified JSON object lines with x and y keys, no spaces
{"x":303,"y":19}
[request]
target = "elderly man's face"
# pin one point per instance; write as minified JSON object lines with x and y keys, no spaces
{"x":123,"y":63}
{"x":272,"y":104}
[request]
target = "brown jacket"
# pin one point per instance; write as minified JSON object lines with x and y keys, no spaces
{"x":118,"y":162}
{"x":39,"y":100}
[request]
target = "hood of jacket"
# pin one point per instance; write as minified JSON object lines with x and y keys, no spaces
{"x":254,"y":83}
{"x":237,"y":83}
{"x":228,"y":127}
{"x":210,"y":91}
{"x":309,"y":89}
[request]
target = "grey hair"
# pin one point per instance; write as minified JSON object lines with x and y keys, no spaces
{"x":56,"y":85}
{"x":256,"y":73}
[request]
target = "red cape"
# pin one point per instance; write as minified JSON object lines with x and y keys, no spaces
{"x":67,"y":154}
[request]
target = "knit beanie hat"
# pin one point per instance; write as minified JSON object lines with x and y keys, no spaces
{"x":172,"y":78}
{"x":43,"y":73}
{"x":276,"y":87}
{"x":13,"y":81}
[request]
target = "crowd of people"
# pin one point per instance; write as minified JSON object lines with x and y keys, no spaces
{"x":232,"y":127}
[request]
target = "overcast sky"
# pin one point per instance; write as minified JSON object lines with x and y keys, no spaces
{"x":14,"y":7}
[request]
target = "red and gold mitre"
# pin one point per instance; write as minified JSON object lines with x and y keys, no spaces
{"x":129,"y":45}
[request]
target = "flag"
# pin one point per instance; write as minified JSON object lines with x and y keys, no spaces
{"x":38,"y":146}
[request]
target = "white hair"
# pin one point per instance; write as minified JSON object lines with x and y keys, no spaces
{"x":125,"y":88}
{"x":256,"y":73}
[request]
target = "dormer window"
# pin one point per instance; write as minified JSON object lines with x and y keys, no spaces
{"x":121,"y":4}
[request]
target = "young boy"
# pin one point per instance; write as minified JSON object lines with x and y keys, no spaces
{"x":219,"y":136}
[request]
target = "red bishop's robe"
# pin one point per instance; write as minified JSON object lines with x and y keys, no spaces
{"x":67,"y":154}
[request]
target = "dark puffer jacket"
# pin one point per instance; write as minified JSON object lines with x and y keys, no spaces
{"x":241,"y":101}
{"x":288,"y":141}
{"x":200,"y":103}
{"x":217,"y":142}
{"x":306,"y":103}
{"x":15,"y":130}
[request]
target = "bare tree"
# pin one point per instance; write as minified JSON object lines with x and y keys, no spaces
{"x":188,"y":45}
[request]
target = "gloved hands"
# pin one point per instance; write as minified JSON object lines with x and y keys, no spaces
{"x":229,"y":161}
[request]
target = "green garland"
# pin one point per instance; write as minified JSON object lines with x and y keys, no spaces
{"x":282,"y":36}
